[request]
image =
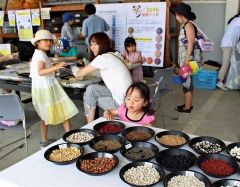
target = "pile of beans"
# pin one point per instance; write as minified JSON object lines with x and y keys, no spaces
{"x":172,"y":140}
{"x":97,"y":165}
{"x":142,"y":175}
{"x":176,"y":162}
{"x":207,"y":147}
{"x":137,"y":136}
{"x":64,"y":154}
{"x":79,"y":137}
{"x":109,"y":129}
{"x":107,"y":145}
{"x":235,"y":152}
{"x":139,"y":153}
{"x":217,"y":167}
{"x":185,"y":181}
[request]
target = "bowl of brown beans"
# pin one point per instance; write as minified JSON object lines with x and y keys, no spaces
{"x":217,"y":165}
{"x":138,"y":134}
{"x":139,"y":151}
{"x":79,"y":136}
{"x":109,"y":127}
{"x":97,"y":163}
{"x":63,"y":154}
{"x":109,"y":143}
{"x":172,"y":139}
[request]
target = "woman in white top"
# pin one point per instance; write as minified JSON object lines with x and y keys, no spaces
{"x":230,"y":39}
{"x":114,"y":72}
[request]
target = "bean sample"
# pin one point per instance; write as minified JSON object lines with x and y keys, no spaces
{"x":107,"y":145}
{"x":217,"y":167}
{"x":79,"y":137}
{"x":137,"y":136}
{"x":176,"y":162}
{"x":235,"y":152}
{"x":172,"y":140}
{"x":64,"y":154}
{"x":142,"y":175}
{"x":207,"y":147}
{"x":97,"y":165}
{"x":185,"y":181}
{"x":139,"y":153}
{"x":109,"y":128}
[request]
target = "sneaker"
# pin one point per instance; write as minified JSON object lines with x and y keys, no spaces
{"x":221,"y":86}
{"x":45,"y":144}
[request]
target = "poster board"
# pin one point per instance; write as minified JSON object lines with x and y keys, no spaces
{"x":5,"y":49}
{"x":144,"y":21}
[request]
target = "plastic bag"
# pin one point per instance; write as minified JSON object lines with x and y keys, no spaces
{"x":233,"y":78}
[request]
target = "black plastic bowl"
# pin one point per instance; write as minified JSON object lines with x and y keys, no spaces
{"x":165,"y":155}
{"x":226,"y":182}
{"x":135,"y":164}
{"x":172,"y":132}
{"x":64,"y":145}
{"x":209,"y":139}
{"x":89,"y":131}
{"x":225,"y":158}
{"x":98,"y":126}
{"x":110,"y":137}
{"x":198,"y":175}
{"x":94,"y":155}
{"x":138,"y":129}
{"x":231,"y":146}
{"x":147,"y":145}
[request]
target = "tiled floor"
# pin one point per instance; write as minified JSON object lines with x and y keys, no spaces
{"x":216,"y":113}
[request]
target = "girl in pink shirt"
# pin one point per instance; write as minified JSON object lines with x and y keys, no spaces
{"x":136,"y":108}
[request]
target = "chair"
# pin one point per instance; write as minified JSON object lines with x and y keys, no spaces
{"x":162,"y":84}
{"x":11,"y":109}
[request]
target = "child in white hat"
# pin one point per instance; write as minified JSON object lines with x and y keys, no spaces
{"x":49,"y":99}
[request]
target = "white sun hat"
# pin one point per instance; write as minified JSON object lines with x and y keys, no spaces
{"x":42,"y":35}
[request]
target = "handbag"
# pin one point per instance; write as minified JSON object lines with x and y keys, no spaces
{"x":204,"y":43}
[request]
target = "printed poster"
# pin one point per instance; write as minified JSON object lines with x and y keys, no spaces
{"x":12,"y":18}
{"x":45,"y":13}
{"x":143,"y":21}
{"x":115,"y":16}
{"x":1,"y":18}
{"x":35,"y":13}
{"x":5,"y":49}
{"x":24,"y":25}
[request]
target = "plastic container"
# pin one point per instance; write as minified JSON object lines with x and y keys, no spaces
{"x":205,"y":79}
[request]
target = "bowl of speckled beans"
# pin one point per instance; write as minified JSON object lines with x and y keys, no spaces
{"x":207,"y":145}
{"x":226,"y":183}
{"x":187,"y":178}
{"x":133,"y":173}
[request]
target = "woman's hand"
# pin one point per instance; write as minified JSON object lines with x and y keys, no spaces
{"x":58,"y":66}
{"x":75,"y":70}
{"x":107,"y":114}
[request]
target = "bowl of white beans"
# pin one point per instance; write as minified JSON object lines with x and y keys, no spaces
{"x":141,"y":173}
{"x":227,"y":183}
{"x":233,"y":150}
{"x":79,"y":136}
{"x":186,"y":178}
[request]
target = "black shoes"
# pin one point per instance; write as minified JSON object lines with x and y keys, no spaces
{"x":182,"y":110}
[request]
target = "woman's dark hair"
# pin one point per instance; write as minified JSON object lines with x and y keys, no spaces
{"x":129,"y":41}
{"x":105,"y":44}
{"x":144,"y":93}
{"x":190,"y":16}
{"x":90,"y":9}
{"x":229,"y":21}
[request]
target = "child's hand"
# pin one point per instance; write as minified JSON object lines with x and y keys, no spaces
{"x":60,"y":65}
{"x":107,"y":114}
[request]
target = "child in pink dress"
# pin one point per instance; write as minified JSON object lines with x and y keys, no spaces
{"x":136,"y":108}
{"x":133,"y":56}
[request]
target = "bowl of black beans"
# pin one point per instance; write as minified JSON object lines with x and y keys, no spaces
{"x":207,"y":145}
{"x":139,"y":151}
{"x":186,"y":178}
{"x":226,"y":182}
{"x":176,"y":159}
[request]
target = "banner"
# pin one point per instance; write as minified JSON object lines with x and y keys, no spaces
{"x":35,"y":13}
{"x":24,"y":25}
{"x":5,"y":49}
{"x":143,"y":21}
{"x":1,"y":18}
{"x":12,"y":18}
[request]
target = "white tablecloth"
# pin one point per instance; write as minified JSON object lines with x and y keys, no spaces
{"x":35,"y":171}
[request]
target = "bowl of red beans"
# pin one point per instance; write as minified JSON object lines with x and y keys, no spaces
{"x":109,"y":127}
{"x":217,"y":165}
{"x":97,"y":163}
